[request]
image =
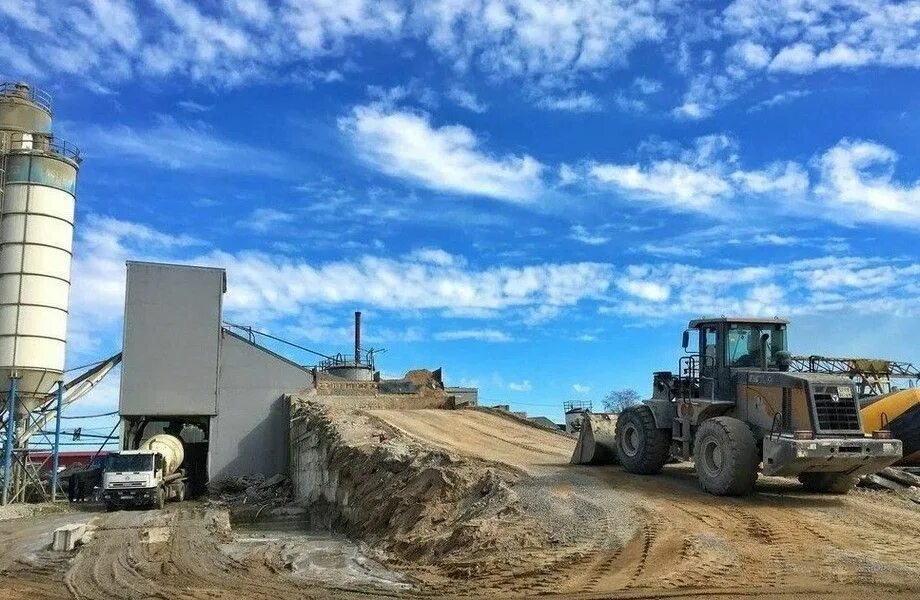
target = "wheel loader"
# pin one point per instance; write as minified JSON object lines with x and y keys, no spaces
{"x":736,"y":410}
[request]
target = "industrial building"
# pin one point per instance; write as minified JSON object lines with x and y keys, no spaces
{"x":186,"y":374}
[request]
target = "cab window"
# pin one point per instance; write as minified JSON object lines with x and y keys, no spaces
{"x":743,"y":348}
{"x":709,"y":347}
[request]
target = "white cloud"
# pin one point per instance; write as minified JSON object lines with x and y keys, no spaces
{"x":579,"y":388}
{"x":482,"y":335}
{"x":235,"y":43}
{"x":180,"y":146}
{"x":578,"y":103}
{"x":628,"y":104}
{"x":448,"y":158}
{"x":646,"y":290}
{"x":262,"y":220}
{"x":580,"y":233}
{"x":277,"y":286}
{"x":794,"y":37}
{"x":797,"y":58}
{"x":670,"y":250}
{"x":274,"y":291}
{"x":669,"y":182}
{"x":193,"y":107}
{"x":467,"y":100}
{"x":857,"y":184}
{"x":646,"y":85}
{"x":772,"y":239}
{"x":435,"y":256}
{"x":537,"y":37}
{"x":521,"y":386}
{"x":788,"y":178}
{"x":779,"y":99}
{"x":551,"y":46}
{"x":700,"y":178}
{"x":751,"y":55}
{"x":567,"y":175}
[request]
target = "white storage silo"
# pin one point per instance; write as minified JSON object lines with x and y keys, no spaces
{"x":36,"y":238}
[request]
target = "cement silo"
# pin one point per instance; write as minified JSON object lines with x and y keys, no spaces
{"x":37,"y":199}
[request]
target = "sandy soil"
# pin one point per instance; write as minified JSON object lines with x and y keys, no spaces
{"x":662,"y":536}
{"x":184,"y":552}
{"x":611,"y":535}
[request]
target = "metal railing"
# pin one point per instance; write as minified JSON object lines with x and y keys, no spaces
{"x":582,"y":405}
{"x":26,"y":92}
{"x":43,"y":142}
{"x":340,"y":360}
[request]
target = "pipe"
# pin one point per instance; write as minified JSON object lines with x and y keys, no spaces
{"x":10,"y":437}
{"x":357,"y":337}
{"x":764,"y":339}
{"x":56,"y":456}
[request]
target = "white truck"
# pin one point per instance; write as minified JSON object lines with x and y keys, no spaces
{"x":148,"y":476}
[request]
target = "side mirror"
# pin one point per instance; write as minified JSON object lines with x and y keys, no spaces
{"x":686,"y":339}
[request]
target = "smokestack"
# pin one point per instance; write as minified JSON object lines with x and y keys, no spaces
{"x":357,"y":337}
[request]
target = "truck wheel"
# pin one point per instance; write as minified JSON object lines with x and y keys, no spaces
{"x":161,"y":498}
{"x":726,"y":457}
{"x":109,"y":507}
{"x":641,"y":447}
{"x":180,"y":494}
{"x":827,"y":483}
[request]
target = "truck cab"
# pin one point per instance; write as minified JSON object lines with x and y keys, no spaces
{"x":139,"y":478}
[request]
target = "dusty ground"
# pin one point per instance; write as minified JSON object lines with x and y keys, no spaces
{"x":184,"y":552}
{"x":605,"y":533}
{"x":657,"y":536}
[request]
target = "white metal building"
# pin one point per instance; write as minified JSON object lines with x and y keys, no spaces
{"x":184,"y":373}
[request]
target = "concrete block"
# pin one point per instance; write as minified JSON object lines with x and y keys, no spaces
{"x":66,"y":537}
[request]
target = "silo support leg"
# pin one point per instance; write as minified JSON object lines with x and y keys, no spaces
{"x":56,"y":457}
{"x":10,"y":439}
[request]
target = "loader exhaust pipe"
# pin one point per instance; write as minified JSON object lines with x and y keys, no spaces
{"x":357,"y":337}
{"x":763,"y":350}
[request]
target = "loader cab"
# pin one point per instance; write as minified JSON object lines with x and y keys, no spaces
{"x":727,"y":344}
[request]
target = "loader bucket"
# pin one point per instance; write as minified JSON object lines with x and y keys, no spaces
{"x":898,"y":412}
{"x":596,"y":441}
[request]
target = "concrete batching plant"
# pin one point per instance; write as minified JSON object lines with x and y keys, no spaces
{"x":37,"y":191}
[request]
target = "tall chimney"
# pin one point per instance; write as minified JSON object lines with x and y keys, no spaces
{"x":357,"y":337}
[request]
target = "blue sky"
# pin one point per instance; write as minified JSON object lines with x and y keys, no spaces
{"x":535,"y":195}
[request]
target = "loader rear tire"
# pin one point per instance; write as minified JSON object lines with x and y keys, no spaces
{"x":827,"y":483}
{"x":641,"y":447}
{"x":726,"y":458}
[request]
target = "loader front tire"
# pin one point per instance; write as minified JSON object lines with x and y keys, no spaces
{"x":641,"y":447}
{"x":726,"y":458}
{"x":827,"y":483}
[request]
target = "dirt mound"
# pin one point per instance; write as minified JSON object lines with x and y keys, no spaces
{"x":471,"y":503}
{"x":437,"y":515}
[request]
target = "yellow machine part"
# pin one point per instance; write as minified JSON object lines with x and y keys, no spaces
{"x":899,"y":412}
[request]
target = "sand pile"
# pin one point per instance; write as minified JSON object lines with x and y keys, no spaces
{"x":430,"y":511}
